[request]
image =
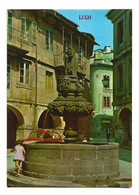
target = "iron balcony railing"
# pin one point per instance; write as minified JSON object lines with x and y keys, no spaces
{"x":80,"y":63}
{"x":25,"y":40}
{"x":19,"y":38}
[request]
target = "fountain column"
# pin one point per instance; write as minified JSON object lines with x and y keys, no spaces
{"x":70,"y":103}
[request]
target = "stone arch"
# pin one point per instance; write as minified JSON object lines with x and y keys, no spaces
{"x":45,"y":120}
{"x":49,"y":121}
{"x":125,"y":126}
{"x":14,"y":121}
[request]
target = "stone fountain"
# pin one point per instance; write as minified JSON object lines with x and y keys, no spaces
{"x":71,"y":160}
{"x":70,"y":103}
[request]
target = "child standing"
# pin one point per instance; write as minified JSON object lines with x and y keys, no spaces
{"x":19,"y":155}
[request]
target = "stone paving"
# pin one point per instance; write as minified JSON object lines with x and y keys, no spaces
{"x":123,"y":180}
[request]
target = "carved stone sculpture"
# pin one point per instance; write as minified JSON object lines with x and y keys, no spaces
{"x":70,"y":103}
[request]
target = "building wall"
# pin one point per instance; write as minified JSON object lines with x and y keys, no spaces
{"x":102,"y":115}
{"x":122,"y":123}
{"x":29,"y":101}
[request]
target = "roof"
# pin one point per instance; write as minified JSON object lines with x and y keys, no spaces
{"x":57,"y":14}
{"x":113,"y":14}
{"x":72,"y":25}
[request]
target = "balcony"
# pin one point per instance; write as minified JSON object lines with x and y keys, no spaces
{"x":59,"y":59}
{"x":80,"y":63}
{"x":19,"y":41}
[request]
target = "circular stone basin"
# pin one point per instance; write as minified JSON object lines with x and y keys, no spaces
{"x":72,"y":162}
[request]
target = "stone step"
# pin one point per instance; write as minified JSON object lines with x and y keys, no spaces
{"x":123,"y":184}
{"x":25,"y":181}
{"x":124,"y":176}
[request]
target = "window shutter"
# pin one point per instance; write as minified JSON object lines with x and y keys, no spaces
{"x":48,"y":81}
{"x":28,"y":30}
{"x":10,"y":16}
{"x":24,"y":73}
{"x":47,"y":39}
{"x":51,"y":41}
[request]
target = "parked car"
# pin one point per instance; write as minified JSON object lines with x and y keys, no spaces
{"x":44,"y":136}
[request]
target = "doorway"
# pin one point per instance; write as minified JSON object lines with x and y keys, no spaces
{"x":125,"y":126}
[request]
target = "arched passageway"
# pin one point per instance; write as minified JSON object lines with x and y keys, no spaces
{"x":49,"y":121}
{"x":14,"y":120}
{"x":125,"y":126}
{"x":45,"y":120}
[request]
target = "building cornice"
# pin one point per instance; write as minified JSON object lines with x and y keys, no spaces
{"x":102,"y":64}
{"x":114,"y":14}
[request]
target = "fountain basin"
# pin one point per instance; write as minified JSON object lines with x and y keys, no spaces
{"x":72,"y":162}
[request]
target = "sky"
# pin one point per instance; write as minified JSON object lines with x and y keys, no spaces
{"x":99,"y":26}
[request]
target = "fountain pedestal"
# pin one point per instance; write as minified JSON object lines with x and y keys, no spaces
{"x":72,"y":162}
{"x":70,"y":104}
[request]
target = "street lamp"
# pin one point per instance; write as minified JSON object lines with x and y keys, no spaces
{"x":106,"y":82}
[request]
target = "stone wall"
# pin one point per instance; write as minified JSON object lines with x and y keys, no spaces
{"x":75,"y":162}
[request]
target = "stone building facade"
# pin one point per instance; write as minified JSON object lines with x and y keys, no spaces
{"x":102,"y":97}
{"x":36,"y":44}
{"x":122,"y":94}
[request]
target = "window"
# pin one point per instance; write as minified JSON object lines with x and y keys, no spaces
{"x":47,"y":135}
{"x":49,"y":40}
{"x":120,"y":34}
{"x":120,"y":77}
{"x":80,"y":52}
{"x":49,"y":81}
{"x":35,"y":135}
{"x":106,"y":123}
{"x":25,"y":28}
{"x":24,"y":73}
{"x":28,"y":30}
{"x":106,"y":102}
{"x":66,"y":45}
{"x":9,"y":33}
{"x":9,"y":64}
